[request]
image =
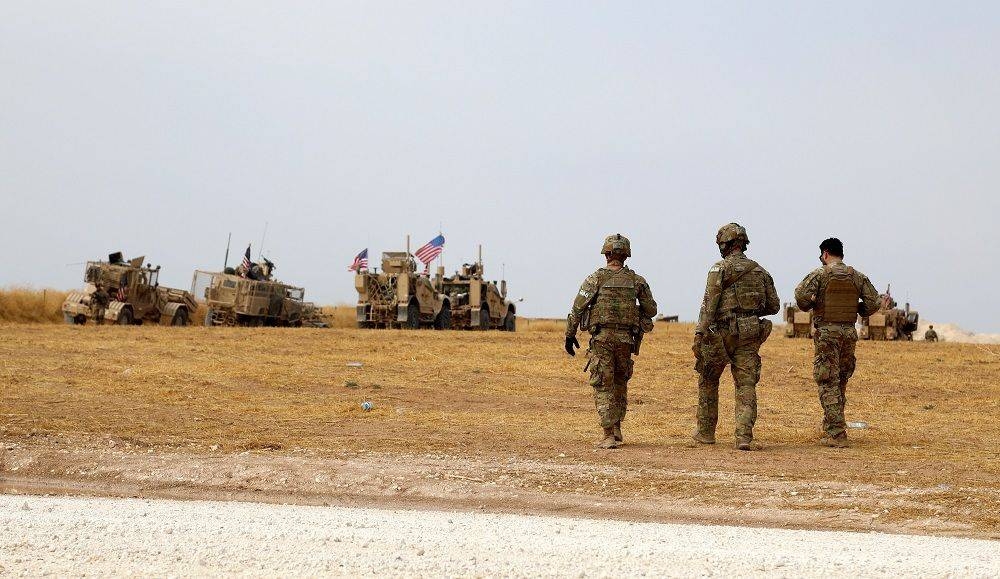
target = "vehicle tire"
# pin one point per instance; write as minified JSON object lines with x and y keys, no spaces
{"x":209,"y":314}
{"x":484,"y":318}
{"x":125,"y":317}
{"x":443,"y":319}
{"x":510,"y":322}
{"x":69,"y":319}
{"x":180,"y":317}
{"x":80,"y":319}
{"x":413,"y":317}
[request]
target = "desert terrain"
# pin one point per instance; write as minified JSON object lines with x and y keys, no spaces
{"x":495,"y":422}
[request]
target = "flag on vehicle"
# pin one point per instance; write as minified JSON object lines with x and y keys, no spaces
{"x":246,"y":262}
{"x":431,"y":250}
{"x":360,"y":261}
{"x":122,"y":292}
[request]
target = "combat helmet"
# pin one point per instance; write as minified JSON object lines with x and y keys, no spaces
{"x":617,"y":243}
{"x":731,"y":232}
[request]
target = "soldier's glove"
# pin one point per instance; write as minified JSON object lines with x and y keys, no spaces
{"x":696,"y":347}
{"x":570,"y":342}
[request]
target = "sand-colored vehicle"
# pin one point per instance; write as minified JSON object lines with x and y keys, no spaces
{"x":890,"y":322}
{"x":238,"y":297}
{"x":477,"y":304}
{"x":135,"y":293}
{"x":798,"y":324}
{"x":399,"y":296}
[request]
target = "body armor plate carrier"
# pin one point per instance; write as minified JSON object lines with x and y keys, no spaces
{"x":840,"y":300}
{"x":616,"y":301}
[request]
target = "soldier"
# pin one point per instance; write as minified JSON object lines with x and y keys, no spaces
{"x":730,"y":331}
{"x":99,"y":301}
{"x":833,"y":292}
{"x":616,"y":306}
{"x":930,"y":335}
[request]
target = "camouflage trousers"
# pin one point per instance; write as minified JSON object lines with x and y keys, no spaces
{"x":717,"y":350}
{"x":833,"y":366}
{"x":98,"y":313}
{"x":610,"y":363}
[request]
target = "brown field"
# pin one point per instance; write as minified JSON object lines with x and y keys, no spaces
{"x":494,"y":421}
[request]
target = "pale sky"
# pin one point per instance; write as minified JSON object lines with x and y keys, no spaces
{"x":534,"y":128}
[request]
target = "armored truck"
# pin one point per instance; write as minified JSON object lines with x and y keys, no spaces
{"x":251,"y":297}
{"x":890,"y":322}
{"x":399,"y":297}
{"x":798,"y":324}
{"x":135,"y":293}
{"x":477,"y":304}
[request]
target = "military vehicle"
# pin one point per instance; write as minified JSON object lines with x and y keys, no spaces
{"x":249,"y":296}
{"x":135,"y":292}
{"x":399,"y":296}
{"x":477,"y":304}
{"x":798,"y":324}
{"x":890,"y":322}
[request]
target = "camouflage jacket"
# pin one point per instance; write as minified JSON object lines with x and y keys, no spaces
{"x":588,"y":295}
{"x":810,"y":291}
{"x":732,"y":290}
{"x":100,"y":298}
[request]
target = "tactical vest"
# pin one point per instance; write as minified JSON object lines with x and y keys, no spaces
{"x":616,"y":301}
{"x":746,"y":296}
{"x":840,"y":299}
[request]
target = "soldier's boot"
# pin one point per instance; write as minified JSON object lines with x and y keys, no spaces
{"x":835,"y":441}
{"x":744,"y":444}
{"x":618,"y":432}
{"x":703,"y":437}
{"x":609,"y":439}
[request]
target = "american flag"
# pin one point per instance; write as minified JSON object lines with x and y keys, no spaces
{"x":246,"y":262}
{"x":122,"y":291}
{"x":427,"y":253}
{"x":360,"y":261}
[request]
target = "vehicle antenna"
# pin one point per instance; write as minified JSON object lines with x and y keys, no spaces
{"x":225,"y":263}
{"x":260,"y":250}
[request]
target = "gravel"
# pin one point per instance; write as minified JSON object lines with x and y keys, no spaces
{"x":95,"y":536}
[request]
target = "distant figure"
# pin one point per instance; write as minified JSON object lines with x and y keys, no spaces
{"x":836,"y":294}
{"x":99,"y":301}
{"x":930,"y":335}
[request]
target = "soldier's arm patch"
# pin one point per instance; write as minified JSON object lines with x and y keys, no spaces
{"x":585,"y":294}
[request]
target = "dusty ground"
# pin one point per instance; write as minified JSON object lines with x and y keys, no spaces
{"x":492,"y":421}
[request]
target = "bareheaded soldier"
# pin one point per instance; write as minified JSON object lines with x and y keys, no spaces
{"x":615,"y":305}
{"x":730,"y":331}
{"x":837,"y":294}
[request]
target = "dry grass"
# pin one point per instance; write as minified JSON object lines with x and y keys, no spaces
{"x":340,"y":316}
{"x":932,"y":409}
{"x":29,"y":305}
{"x":540,"y":325}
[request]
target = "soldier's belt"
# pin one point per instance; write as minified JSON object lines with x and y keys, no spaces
{"x":615,"y":326}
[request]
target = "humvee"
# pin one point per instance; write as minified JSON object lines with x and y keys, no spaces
{"x":135,"y":292}
{"x":399,"y":297}
{"x":477,"y":304}
{"x":798,"y":324}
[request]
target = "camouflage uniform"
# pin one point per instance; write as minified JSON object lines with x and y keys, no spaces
{"x":833,"y":292}
{"x":99,"y":301}
{"x":930,"y":335}
{"x":730,"y":331}
{"x":616,"y":306}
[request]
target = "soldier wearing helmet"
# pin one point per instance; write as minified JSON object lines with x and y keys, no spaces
{"x":836,"y":294}
{"x":616,"y":307}
{"x":730,"y":331}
